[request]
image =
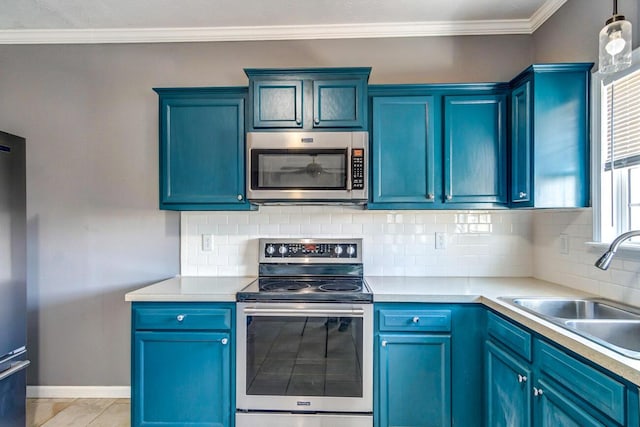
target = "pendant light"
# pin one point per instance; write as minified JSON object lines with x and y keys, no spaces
{"x":615,"y":43}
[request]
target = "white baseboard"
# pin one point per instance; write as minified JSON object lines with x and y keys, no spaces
{"x":60,"y":392}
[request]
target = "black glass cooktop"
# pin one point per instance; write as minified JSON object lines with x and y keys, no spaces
{"x":332,"y":289}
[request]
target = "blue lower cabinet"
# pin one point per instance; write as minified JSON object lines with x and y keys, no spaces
{"x":508,"y":392}
{"x":415,"y":380}
{"x":182,"y":379}
{"x":553,"y":409}
{"x":182,"y":365}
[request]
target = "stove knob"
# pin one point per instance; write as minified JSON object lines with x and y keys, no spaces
{"x":282,"y":249}
{"x":271,"y":250}
{"x":351,"y":250}
{"x":337,"y":250}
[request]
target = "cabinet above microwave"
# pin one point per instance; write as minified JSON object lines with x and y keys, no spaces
{"x":308,"y":99}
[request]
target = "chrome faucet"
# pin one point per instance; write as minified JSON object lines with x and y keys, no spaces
{"x":604,"y":261}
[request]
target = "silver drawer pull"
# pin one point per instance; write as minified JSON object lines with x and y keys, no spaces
{"x":537,"y":391}
{"x":416,"y":319}
{"x":224,"y":341}
{"x":522,"y":378}
{"x":384,"y":343}
{"x":180,"y":317}
{"x":523,"y":194}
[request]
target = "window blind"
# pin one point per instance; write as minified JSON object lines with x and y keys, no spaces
{"x":622,"y":122}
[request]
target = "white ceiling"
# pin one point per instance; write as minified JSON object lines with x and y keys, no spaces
{"x":128,"y":21}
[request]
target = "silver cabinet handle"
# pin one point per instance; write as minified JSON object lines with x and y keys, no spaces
{"x":240,"y":197}
{"x":19,"y":366}
{"x":180,"y":317}
{"x":384,"y":343}
{"x":523,"y":194}
{"x":537,"y":391}
{"x":522,"y":378}
{"x":416,"y":319}
{"x":224,"y":341}
{"x":449,"y":197}
{"x":430,"y":196}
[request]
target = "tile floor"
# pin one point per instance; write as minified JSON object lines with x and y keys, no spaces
{"x":78,"y":413}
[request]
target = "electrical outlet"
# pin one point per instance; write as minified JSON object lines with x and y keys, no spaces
{"x":207,"y":243}
{"x":441,"y":240}
{"x":564,"y":243}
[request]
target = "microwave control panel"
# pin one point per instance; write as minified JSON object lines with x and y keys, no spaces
{"x":357,"y":169}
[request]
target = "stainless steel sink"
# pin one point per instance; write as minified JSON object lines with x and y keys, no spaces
{"x":576,"y":308}
{"x":613,"y":325}
{"x":622,"y":336}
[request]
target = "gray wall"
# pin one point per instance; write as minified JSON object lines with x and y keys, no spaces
{"x":571,"y":34}
{"x":90,"y":119}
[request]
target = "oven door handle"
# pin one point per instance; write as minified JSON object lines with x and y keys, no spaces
{"x":304,"y":311}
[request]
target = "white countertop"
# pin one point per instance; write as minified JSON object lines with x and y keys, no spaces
{"x":482,"y":290}
{"x":191,"y":289}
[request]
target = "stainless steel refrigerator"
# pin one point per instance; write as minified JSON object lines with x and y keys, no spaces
{"x":13,"y":283}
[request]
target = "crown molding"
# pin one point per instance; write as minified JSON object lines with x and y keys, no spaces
{"x":283,"y":32}
{"x":545,"y":12}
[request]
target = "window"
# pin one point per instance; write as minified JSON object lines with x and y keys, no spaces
{"x":617,"y":154}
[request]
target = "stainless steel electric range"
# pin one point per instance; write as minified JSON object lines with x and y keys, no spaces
{"x":305,"y":337}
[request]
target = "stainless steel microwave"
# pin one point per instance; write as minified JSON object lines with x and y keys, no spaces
{"x":307,"y":167}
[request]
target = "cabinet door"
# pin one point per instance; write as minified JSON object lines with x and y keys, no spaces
{"x":277,"y":104}
{"x":181,"y":379}
{"x":339,"y":103}
{"x":414,"y":373}
{"x":403,"y":150}
{"x":521,"y":155}
{"x":507,"y":389}
{"x":475,"y":149}
{"x":553,"y":409}
{"x":202,"y":154}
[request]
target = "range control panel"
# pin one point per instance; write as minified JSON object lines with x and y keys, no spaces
{"x":307,"y":249}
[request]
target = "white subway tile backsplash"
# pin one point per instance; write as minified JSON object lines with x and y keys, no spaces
{"x":575,"y":269}
{"x":484,"y":243}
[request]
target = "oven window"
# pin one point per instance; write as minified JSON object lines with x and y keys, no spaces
{"x":304,"y":356}
{"x":299,"y":169}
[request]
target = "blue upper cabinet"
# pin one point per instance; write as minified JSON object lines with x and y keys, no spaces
{"x":403,"y":151}
{"x":475,"y":149}
{"x":277,"y":104}
{"x":202,"y":149}
{"x":550,"y":136}
{"x":339,"y":103}
{"x":319,"y":98}
{"x":438,"y":146}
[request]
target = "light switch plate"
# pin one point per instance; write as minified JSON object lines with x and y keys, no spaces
{"x":564,"y":243}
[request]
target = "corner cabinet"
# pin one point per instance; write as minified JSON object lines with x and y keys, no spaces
{"x":438,"y":146}
{"x":310,"y":99}
{"x":182,"y":365}
{"x":426,"y":358}
{"x":550,"y":128}
{"x":530,"y":382}
{"x":202,"y":149}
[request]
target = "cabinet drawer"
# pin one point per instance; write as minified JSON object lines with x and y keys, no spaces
{"x":415,"y":320}
{"x":513,"y":337}
{"x":177,"y":318}
{"x":590,"y":385}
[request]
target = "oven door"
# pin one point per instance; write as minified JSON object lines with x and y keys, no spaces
{"x":307,"y":357}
